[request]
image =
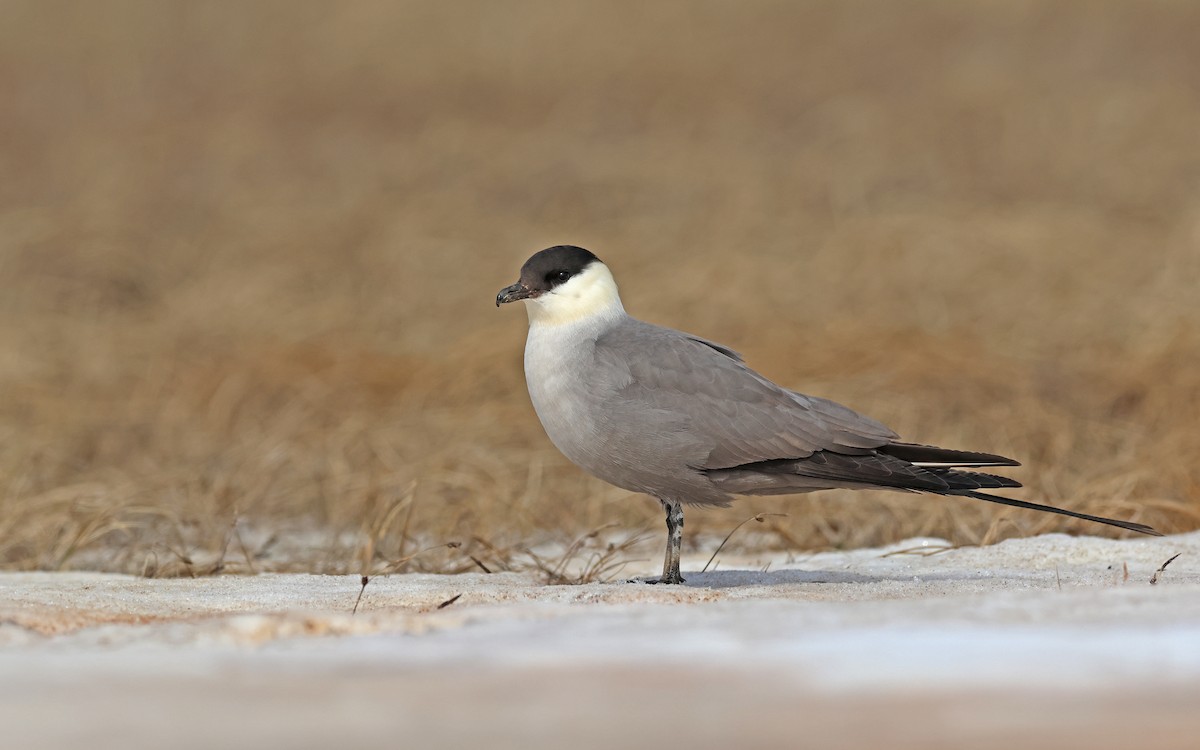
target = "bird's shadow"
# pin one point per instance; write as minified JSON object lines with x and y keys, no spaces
{"x":723,"y":579}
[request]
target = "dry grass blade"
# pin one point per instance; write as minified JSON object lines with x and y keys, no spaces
{"x":363,"y":588}
{"x":591,"y":565}
{"x":760,"y":517}
{"x":395,"y":566}
{"x":1162,"y":568}
{"x":219,"y":564}
{"x":378,"y":534}
{"x":605,"y":565}
{"x":449,"y":601}
{"x":926,"y":550}
{"x":556,"y":573}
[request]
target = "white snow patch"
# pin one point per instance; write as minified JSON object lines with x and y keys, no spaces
{"x":1054,"y":622}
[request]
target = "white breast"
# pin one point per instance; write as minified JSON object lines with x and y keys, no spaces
{"x":564,"y":325}
{"x":556,"y":360}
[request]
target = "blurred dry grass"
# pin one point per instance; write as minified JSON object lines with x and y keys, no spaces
{"x":248,"y":253}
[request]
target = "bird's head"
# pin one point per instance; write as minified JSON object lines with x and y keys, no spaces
{"x":563,"y":284}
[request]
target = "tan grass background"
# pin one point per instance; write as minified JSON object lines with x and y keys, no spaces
{"x":248,"y":253}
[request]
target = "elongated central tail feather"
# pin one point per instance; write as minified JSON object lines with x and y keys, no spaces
{"x":1130,"y":525}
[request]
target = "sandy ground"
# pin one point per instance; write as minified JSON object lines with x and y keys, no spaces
{"x":1046,"y":642}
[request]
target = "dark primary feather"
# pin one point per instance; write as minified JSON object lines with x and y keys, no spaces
{"x":928,"y":455}
{"x":873,"y":469}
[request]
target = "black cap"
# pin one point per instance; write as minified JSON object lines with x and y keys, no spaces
{"x":554,"y":265}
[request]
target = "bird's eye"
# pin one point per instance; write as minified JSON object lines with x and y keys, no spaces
{"x":558,"y":276}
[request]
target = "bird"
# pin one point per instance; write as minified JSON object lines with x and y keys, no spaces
{"x":685,"y":420}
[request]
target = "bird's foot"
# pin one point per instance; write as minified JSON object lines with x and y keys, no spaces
{"x":676,"y":579}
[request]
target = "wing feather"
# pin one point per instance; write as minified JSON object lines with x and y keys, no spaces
{"x":731,"y":414}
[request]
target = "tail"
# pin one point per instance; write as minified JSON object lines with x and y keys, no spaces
{"x":941,"y":461}
{"x":1130,"y":525}
{"x":908,"y":467}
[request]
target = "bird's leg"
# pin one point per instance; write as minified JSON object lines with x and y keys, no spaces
{"x":674,"y":542}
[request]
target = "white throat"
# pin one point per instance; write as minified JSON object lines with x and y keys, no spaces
{"x":590,"y":296}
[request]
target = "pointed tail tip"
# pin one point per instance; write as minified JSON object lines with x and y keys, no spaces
{"x":1140,"y":528}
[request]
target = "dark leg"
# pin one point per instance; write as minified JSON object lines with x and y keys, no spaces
{"x":670,"y":572}
{"x":674,"y":542}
